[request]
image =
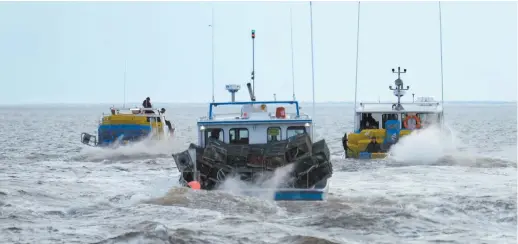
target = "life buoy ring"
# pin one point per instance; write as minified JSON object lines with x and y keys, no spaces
{"x":417,"y":121}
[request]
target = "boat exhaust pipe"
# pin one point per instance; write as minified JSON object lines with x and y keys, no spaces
{"x":252,"y":97}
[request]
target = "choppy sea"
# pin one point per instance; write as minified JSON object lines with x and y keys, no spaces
{"x":458,"y":187}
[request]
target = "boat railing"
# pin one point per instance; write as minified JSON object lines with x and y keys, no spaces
{"x":362,"y":104}
{"x":136,"y":111}
{"x":270,"y":115}
{"x":214,"y":104}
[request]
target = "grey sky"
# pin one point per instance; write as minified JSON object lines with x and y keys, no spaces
{"x":61,"y":52}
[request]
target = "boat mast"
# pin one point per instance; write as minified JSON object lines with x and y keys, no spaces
{"x":253,"y":64}
{"x":399,"y":90}
{"x":442,"y":76}
{"x":212,"y":49}
{"x":292,"y":62}
{"x":357,"y":55}
{"x":312,"y":66}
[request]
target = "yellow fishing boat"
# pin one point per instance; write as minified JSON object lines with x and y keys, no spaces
{"x":378,"y":126}
{"x":124,"y":125}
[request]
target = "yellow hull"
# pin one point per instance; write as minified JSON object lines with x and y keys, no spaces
{"x":357,"y":142}
{"x":129,"y":119}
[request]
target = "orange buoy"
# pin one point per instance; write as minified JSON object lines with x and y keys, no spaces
{"x":195,"y":185}
{"x":280,"y":112}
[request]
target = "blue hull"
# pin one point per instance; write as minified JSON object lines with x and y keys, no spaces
{"x":109,"y":135}
{"x":293,"y":194}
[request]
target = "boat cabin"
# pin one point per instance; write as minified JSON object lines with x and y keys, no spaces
{"x":257,"y":122}
{"x":412,"y":116}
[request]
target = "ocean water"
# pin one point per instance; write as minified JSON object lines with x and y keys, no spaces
{"x":455,"y":187}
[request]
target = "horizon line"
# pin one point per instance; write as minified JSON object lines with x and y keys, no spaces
{"x":206,"y":103}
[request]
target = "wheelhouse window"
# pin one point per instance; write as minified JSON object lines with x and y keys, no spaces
{"x":238,"y":136}
{"x":214,"y":133}
{"x":387,"y":117}
{"x":425,"y":119}
{"x":429,"y":118}
{"x":295,"y":130}
{"x":368,"y":122}
{"x":273,"y":134}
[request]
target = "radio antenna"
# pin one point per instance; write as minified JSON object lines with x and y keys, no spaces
{"x":253,"y":64}
{"x":312,"y":64}
{"x":442,"y":76}
{"x":124,"y":100}
{"x":292,"y":61}
{"x":212,"y":33}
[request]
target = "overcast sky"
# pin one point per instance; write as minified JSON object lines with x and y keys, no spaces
{"x":69,"y":52}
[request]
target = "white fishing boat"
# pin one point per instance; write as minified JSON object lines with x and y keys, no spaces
{"x":259,"y":138}
{"x":378,"y":126}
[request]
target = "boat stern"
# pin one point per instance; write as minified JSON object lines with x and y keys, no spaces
{"x":88,"y":139}
{"x":357,"y":142}
{"x":317,"y":193}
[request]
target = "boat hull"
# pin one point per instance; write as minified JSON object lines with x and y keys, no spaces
{"x":319,"y":193}
{"x":299,"y":195}
{"x":91,"y":140}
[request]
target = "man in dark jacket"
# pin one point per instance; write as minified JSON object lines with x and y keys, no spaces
{"x":147,"y":103}
{"x":344,"y":144}
{"x":373,"y":146}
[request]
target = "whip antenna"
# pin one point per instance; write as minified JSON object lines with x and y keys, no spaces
{"x":312,"y":65}
{"x":292,"y":62}
{"x":212,"y":50}
{"x":253,"y":64}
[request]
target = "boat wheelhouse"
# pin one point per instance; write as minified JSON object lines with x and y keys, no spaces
{"x":385,"y":123}
{"x":254,"y":124}
{"x":124,"y":125}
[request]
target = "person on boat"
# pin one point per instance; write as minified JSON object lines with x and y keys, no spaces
{"x":344,"y":141}
{"x":373,"y":146}
{"x":344,"y":144}
{"x":369,"y":122}
{"x":167,"y":122}
{"x":147,"y":104}
{"x":214,"y":134}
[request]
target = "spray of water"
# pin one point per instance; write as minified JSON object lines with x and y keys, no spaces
{"x":144,"y":148}
{"x":263,"y":187}
{"x":426,"y":146}
{"x":437,"y":145}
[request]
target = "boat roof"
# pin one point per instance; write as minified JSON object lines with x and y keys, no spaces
{"x":418,"y":107}
{"x":254,"y":117}
{"x":130,"y":111}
